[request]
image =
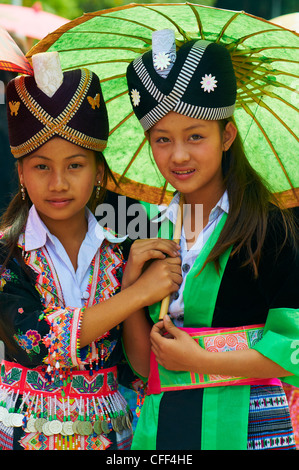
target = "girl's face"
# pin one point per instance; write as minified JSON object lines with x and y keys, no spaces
{"x":188,"y":153}
{"x":59,"y":178}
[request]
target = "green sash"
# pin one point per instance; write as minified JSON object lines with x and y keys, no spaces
{"x":225,"y":409}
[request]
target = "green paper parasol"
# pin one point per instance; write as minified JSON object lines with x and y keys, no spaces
{"x":265,"y":58}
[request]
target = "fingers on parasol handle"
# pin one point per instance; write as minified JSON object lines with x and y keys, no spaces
{"x":176,"y":239}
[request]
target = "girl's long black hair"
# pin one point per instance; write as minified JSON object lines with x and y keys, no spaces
{"x":250,"y":204}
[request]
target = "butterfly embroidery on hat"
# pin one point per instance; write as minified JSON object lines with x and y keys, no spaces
{"x":94,"y":102}
{"x":208,"y":83}
{"x":14,"y":107}
{"x":61,"y":124}
{"x":135,"y":95}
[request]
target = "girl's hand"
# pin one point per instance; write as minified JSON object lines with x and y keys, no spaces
{"x":143,"y":251}
{"x":160,"y":279}
{"x":175,"y":349}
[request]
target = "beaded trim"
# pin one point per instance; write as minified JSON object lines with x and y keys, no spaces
{"x":59,"y":125}
{"x":92,"y":408}
{"x":63,"y":340}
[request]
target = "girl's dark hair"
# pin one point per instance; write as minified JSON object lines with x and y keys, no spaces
{"x":14,"y":218}
{"x":250,"y":204}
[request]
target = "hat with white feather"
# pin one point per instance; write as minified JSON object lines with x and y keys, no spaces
{"x":197,"y":80}
{"x":51,"y":103}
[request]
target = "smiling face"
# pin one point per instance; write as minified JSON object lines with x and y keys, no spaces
{"x":188,"y":153}
{"x":59,"y":178}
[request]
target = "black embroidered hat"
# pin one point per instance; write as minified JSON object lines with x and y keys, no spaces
{"x":200,"y":83}
{"x":74,"y":110}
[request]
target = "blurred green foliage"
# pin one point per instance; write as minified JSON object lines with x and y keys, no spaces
{"x":73,"y":8}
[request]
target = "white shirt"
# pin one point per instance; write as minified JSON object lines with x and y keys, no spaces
{"x":73,"y":283}
{"x":188,"y":257}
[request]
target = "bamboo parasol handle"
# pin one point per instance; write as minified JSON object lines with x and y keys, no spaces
{"x":176,"y":239}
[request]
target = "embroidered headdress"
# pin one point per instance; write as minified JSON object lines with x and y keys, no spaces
{"x":200,"y":80}
{"x":51,"y":103}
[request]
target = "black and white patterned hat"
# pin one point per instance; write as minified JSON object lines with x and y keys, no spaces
{"x":200,"y":83}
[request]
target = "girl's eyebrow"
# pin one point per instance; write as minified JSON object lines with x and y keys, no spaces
{"x":31,"y":157}
{"x":190,"y":128}
{"x":195,"y":127}
{"x":48,"y":158}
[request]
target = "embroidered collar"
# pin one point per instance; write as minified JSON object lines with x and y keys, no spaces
{"x":37,"y":233}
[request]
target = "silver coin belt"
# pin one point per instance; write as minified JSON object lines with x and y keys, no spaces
{"x":78,"y":416}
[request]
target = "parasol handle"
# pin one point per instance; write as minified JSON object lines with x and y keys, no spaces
{"x":176,"y":239}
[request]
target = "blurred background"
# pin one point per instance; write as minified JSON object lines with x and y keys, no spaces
{"x":71,"y":9}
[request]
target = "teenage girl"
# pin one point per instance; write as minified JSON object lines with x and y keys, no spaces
{"x":232,"y":327}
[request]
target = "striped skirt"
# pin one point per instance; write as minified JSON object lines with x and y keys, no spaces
{"x":269,"y":425}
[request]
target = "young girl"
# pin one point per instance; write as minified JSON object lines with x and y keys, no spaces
{"x":232,"y":327}
{"x":60,"y":300}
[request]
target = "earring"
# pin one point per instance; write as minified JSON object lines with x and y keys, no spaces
{"x":98,"y":190}
{"x":23,"y":192}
